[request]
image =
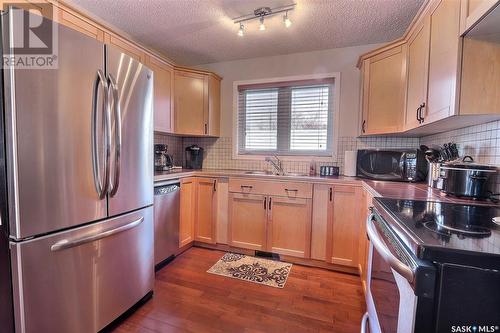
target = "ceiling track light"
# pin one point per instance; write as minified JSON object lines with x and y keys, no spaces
{"x":286,"y":20}
{"x":263,"y":12}
{"x":262,"y":26}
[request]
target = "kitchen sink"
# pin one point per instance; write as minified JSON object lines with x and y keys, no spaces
{"x":266,"y":173}
{"x":295,"y":174}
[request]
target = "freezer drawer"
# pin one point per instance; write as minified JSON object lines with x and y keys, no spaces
{"x":81,"y":280}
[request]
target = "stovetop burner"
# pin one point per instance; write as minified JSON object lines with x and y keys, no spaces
{"x":461,"y":232}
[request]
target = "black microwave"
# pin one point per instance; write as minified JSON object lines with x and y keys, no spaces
{"x":405,"y":165}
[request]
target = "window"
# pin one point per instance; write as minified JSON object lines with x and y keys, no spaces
{"x":286,"y":118}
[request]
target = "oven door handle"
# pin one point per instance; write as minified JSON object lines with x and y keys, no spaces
{"x":384,"y":252}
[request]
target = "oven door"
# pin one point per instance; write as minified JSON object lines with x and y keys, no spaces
{"x":392,"y":301}
{"x":381,"y":164}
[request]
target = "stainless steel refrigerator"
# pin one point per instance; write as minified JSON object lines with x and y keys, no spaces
{"x":76,"y":183}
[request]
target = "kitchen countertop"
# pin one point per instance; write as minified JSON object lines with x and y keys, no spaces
{"x":387,"y":189}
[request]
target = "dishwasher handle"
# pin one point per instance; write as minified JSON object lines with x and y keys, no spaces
{"x":167,"y":189}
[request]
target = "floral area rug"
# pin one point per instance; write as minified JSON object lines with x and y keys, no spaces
{"x":263,"y":271}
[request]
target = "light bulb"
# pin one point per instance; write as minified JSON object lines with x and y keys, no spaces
{"x":287,"y":21}
{"x":241,"y":31}
{"x":262,"y":27}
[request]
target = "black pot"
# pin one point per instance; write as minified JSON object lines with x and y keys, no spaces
{"x":467,"y":179}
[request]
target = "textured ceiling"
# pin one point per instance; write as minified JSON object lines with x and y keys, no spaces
{"x":193,"y":32}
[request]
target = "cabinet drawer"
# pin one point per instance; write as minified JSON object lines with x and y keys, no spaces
{"x":275,"y":188}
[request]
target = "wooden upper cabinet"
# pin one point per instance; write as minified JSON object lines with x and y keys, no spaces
{"x":418,"y":62}
{"x":472,"y":11}
{"x":187,"y":211}
{"x":344,"y":226}
{"x":190,"y":103}
{"x":247,"y":227}
{"x":289,"y":226}
{"x":163,"y":75}
{"x":384,"y":88}
{"x":78,"y":23}
{"x":214,"y":105}
{"x":125,"y":46}
{"x":196,"y":103}
{"x":444,"y":61}
{"x":205,"y":226}
{"x":480,"y":91}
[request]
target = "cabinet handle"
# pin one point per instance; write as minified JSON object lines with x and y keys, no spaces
{"x":331,"y":194}
{"x":422,"y":106}
{"x":290,"y":190}
{"x":206,"y":129}
{"x":215,"y":185}
{"x":363,"y":128}
{"x":418,"y":115}
{"x":270,"y":203}
{"x":265,"y":203}
{"x":246,"y":186}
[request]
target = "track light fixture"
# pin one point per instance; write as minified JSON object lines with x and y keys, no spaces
{"x":241,"y":32}
{"x":262,"y":26}
{"x":286,"y":20}
{"x":263,"y":12}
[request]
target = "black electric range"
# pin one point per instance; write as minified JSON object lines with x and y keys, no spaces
{"x":446,"y":232}
{"x":448,"y":253}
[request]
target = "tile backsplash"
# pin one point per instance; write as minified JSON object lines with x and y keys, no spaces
{"x":218,"y":152}
{"x":482,"y":142}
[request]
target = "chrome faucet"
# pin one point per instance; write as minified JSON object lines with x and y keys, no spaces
{"x":276,"y":164}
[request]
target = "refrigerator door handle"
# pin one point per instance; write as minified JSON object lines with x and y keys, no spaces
{"x":73,"y":242}
{"x":100,"y":186}
{"x":115,"y":100}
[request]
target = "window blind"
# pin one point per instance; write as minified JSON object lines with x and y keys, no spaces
{"x":286,"y":119}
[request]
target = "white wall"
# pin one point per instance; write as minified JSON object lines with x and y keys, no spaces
{"x":341,"y":60}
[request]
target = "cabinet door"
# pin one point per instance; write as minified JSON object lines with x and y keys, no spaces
{"x":163,"y":89}
{"x":289,"y":231}
{"x":384,"y":88}
{"x":187,"y":211}
{"x":444,"y":61}
{"x":472,"y":11}
{"x":190,"y":96}
{"x":247,"y":221}
{"x":125,"y":46}
{"x":418,"y":61}
{"x":321,"y":212}
{"x":213,"y":117}
{"x":79,"y":24}
{"x":364,"y":247}
{"x":343,"y":229}
{"x":205,"y":210}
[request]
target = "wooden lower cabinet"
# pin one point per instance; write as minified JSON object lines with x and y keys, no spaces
{"x":187,"y":213}
{"x":247,"y":226}
{"x":289,"y":226}
{"x":270,"y":223}
{"x":343,"y":228}
{"x":364,"y":243}
{"x":338,"y":213}
{"x":206,"y":201}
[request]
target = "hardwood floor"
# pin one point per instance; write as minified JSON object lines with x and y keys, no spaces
{"x":188,"y":299}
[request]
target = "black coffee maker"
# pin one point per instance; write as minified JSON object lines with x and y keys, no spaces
{"x":194,"y":157}
{"x":163,"y":161}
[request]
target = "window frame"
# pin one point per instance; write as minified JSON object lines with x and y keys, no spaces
{"x":335,"y":119}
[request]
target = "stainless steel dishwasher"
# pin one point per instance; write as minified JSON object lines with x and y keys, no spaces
{"x":166,"y":217}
